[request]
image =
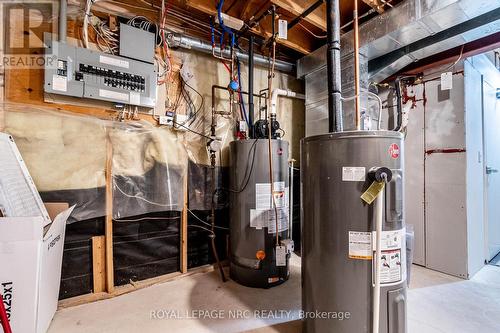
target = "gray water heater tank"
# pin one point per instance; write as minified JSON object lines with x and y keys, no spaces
{"x":252,"y":225}
{"x":337,"y":239}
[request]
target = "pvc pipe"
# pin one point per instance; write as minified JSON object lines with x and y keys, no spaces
{"x":379,"y":203}
{"x":285,"y":93}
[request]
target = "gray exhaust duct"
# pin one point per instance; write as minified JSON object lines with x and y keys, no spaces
{"x":409,"y":22}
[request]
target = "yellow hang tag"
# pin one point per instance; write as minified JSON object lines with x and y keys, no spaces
{"x":372,"y":192}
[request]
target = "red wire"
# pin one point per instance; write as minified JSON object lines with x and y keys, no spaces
{"x":4,"y":321}
{"x":227,"y":67}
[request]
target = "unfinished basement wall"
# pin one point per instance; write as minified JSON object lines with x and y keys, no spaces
{"x":65,"y":148}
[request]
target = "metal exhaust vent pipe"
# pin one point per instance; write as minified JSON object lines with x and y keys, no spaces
{"x":333,"y":66}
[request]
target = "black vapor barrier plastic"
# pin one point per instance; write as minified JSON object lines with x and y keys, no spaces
{"x":200,"y":202}
{"x":76,"y":276}
{"x":199,"y":243}
{"x":144,"y":246}
{"x":200,"y":186}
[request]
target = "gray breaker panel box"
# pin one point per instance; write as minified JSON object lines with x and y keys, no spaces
{"x":80,"y":72}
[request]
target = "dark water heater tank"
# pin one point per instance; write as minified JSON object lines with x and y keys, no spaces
{"x":255,"y":258}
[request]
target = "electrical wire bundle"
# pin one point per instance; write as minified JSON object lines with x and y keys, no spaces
{"x":105,"y":34}
{"x":106,"y":40}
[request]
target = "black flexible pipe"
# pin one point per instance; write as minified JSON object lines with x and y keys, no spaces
{"x":333,"y":66}
{"x":251,"y":111}
{"x":399,"y":104}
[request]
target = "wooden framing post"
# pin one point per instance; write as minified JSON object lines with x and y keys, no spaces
{"x":110,"y":284}
{"x":184,"y":226}
{"x":99,"y":263}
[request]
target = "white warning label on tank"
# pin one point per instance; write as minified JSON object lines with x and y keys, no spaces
{"x":263,"y":198}
{"x":282,"y":220}
{"x":392,"y":264}
{"x":353,"y":174}
{"x":360,"y":245}
{"x":260,"y":218}
{"x":280,"y":256}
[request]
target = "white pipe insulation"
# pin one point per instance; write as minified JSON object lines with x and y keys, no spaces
{"x":274,"y":101}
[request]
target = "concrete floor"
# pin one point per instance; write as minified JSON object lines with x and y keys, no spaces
{"x":437,"y":303}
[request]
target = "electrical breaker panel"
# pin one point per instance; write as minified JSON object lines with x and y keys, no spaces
{"x":79,"y":72}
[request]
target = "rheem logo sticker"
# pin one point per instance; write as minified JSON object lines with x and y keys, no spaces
{"x":394,"y":150}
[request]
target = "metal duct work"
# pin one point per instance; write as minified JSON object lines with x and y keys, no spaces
{"x":201,"y":46}
{"x":409,"y":22}
{"x":333,"y":66}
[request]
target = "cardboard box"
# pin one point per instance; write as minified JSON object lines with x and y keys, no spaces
{"x":30,"y":270}
{"x":54,"y":208}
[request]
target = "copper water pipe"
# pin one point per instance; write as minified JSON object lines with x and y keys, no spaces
{"x":356,"y":65}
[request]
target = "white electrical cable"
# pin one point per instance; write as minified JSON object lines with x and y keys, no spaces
{"x":102,"y":31}
{"x":140,"y":198}
{"x":200,"y":227}
{"x":369,"y":94}
{"x":204,"y":222}
{"x":147,"y":218}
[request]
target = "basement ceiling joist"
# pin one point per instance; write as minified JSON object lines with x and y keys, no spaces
{"x":303,"y":38}
{"x":297,"y":7}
